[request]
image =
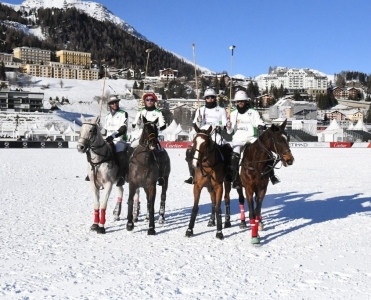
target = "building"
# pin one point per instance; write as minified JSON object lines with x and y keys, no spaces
{"x":168,"y":74}
{"x":68,"y":57}
{"x":29,"y":55}
{"x":293,"y":80}
{"x":21,"y":101}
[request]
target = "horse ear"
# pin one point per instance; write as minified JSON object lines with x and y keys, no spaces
{"x":196,"y":127}
{"x":144,"y":120}
{"x":209,"y":130}
{"x":155,"y":121}
{"x":95,"y":120}
{"x":82,"y":119}
{"x":283,"y":125}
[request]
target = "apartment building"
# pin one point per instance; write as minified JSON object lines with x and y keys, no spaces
{"x":293,"y":80}
{"x":74,"y":58}
{"x":29,"y":55}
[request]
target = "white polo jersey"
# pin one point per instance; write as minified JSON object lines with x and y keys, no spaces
{"x":216,"y":116}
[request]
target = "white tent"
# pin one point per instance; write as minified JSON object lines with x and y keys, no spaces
{"x":333,"y":133}
{"x":70,"y":135}
{"x":360,"y":126}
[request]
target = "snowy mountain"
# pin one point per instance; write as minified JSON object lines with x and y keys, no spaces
{"x":92,"y":9}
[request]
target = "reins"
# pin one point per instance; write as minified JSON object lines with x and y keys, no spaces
{"x":272,"y":156}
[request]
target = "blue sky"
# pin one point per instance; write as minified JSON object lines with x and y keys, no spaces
{"x":327,"y":35}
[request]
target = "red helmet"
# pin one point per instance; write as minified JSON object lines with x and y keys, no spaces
{"x":152,"y":95}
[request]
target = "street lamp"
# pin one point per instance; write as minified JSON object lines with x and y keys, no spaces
{"x":148,"y":51}
{"x":230,"y":90}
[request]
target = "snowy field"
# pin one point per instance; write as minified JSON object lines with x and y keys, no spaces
{"x":316,"y":243}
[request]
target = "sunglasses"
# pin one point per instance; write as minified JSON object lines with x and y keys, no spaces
{"x":210,"y":97}
{"x":150,"y":100}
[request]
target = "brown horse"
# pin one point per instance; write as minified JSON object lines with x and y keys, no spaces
{"x":257,"y":162}
{"x":145,"y":165}
{"x":210,"y":172}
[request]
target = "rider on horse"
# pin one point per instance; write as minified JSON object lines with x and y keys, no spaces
{"x":115,"y":125}
{"x":151,"y":113}
{"x":209,"y":114}
{"x":245,"y":122}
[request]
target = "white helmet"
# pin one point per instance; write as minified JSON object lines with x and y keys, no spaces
{"x":241,"y":96}
{"x":113,"y":99}
{"x":209,"y":92}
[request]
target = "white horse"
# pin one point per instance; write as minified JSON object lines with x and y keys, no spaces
{"x":102,"y":171}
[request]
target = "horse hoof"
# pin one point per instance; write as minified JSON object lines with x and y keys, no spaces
{"x":227,"y":224}
{"x":161,"y":220}
{"x":189,"y":232}
{"x":255,"y":240}
{"x":219,"y":235}
{"x":242,"y":225}
{"x":261,"y":226}
{"x":211,"y":223}
{"x":94,"y":227}
{"x":101,"y":230}
{"x":129,"y":226}
{"x":151,"y":231}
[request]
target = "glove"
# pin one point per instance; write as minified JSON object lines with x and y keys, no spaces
{"x":199,"y":119}
{"x":228,"y":125}
{"x":109,"y":139}
{"x":218,"y":129}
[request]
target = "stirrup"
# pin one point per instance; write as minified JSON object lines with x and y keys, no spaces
{"x":236,"y":184}
{"x":274,"y":179}
{"x":189,"y":180}
{"x":161,"y":181}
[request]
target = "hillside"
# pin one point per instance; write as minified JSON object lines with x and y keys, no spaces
{"x":90,"y":28}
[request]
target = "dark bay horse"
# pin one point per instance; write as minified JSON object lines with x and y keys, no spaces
{"x":210,"y":172}
{"x":257,"y":161}
{"x":144,"y":170}
{"x":102,"y":170}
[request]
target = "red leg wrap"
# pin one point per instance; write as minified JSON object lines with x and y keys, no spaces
{"x":119,"y":199}
{"x":242,"y":212}
{"x":102,"y":217}
{"x":254,"y":228}
{"x":96,"y":216}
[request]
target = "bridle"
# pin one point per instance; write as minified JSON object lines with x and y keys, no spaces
{"x":151,"y":139}
{"x":273,"y":155}
{"x":202,"y":156}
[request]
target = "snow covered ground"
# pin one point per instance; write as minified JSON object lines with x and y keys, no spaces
{"x":316,"y":244}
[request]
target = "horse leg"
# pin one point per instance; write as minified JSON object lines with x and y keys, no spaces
{"x":259,"y":203}
{"x":103,"y":207}
{"x":241,"y":200}
{"x":151,"y":196}
{"x":227,"y":203}
{"x":191,"y":225}
{"x":130,"y":223}
{"x":117,"y":210}
{"x":255,"y":239}
{"x":136,"y":207}
{"x":211,"y":222}
{"x":161,"y":213}
{"x":218,"y":192}
{"x":95,"y":225}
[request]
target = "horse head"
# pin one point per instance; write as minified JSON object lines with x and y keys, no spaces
{"x":88,"y":134}
{"x":200,"y":144}
{"x":277,"y":140}
{"x":149,"y":137}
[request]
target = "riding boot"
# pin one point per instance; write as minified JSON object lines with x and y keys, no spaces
{"x":189,"y":157}
{"x":121,"y":160}
{"x":235,"y":163}
{"x":273,"y":177}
